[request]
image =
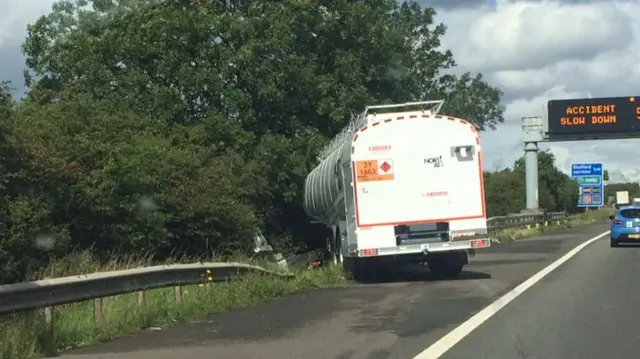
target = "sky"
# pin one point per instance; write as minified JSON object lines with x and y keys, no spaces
{"x":533,"y":51}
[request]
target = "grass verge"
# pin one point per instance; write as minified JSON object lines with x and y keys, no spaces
{"x":513,"y":234}
{"x":74,"y":326}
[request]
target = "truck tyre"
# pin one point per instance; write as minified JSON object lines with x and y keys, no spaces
{"x":359,"y":269}
{"x":448,"y":264}
{"x":442,"y":269}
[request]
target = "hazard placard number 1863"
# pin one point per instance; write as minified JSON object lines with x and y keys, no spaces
{"x":368,"y":168}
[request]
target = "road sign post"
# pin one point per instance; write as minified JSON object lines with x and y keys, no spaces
{"x":532,"y":128}
{"x":590,"y":179}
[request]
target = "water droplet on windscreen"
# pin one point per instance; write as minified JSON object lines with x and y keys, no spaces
{"x":45,"y":241}
{"x":147,"y":204}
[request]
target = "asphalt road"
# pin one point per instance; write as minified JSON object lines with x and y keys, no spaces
{"x":583,"y":310}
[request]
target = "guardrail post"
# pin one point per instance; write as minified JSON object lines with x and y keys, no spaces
{"x":208,"y":281}
{"x":47,"y":339}
{"x":177,"y":293}
{"x":140,"y":298}
{"x":97,"y":312}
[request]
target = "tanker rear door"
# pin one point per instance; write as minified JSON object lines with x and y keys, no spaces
{"x":424,"y":169}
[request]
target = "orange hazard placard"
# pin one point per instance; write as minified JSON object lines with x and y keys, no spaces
{"x":374,"y":170}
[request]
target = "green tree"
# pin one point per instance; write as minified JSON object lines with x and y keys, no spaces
{"x":504,"y":192}
{"x":214,"y":111}
{"x":26,"y":206}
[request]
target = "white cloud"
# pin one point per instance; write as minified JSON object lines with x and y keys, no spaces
{"x":530,"y":35}
{"x":541,"y":50}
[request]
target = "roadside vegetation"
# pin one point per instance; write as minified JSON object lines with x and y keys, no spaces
{"x":152,"y":130}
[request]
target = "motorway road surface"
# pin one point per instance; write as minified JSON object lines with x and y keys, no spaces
{"x":585,"y":309}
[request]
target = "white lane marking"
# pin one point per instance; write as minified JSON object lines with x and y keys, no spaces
{"x":444,"y":344}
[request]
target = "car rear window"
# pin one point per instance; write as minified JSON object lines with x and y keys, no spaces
{"x":630,"y":213}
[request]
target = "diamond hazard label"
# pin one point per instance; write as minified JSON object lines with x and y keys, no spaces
{"x":386,"y":167}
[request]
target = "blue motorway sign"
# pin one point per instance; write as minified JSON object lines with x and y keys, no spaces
{"x":589,"y":178}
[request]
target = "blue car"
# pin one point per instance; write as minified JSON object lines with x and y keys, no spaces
{"x":625,"y":225}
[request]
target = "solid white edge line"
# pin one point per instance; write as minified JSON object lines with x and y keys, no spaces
{"x":444,"y":344}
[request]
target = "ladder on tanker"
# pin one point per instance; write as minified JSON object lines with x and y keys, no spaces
{"x":369,"y":115}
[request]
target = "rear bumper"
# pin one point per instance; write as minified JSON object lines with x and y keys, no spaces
{"x":625,"y":237}
{"x":428,"y":248}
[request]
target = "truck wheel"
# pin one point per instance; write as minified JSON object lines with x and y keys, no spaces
{"x":448,"y":264}
{"x":358,"y":269}
{"x":445,"y":270}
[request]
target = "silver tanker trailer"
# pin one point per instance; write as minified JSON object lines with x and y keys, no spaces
{"x":401,"y":183}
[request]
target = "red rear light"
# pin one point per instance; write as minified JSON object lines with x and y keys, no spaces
{"x":369,"y":252}
{"x":617,"y":221}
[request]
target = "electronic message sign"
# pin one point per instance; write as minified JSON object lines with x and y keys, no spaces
{"x":591,"y":187}
{"x":593,"y":118}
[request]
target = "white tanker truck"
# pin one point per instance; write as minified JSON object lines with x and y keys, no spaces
{"x":401,"y":183}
